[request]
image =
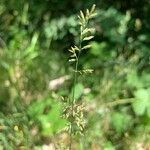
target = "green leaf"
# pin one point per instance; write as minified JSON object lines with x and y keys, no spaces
{"x":120,"y":121}
{"x":78,"y":91}
{"x":109,"y":146}
{"x":134,"y":80}
{"x":142,"y":101}
{"x":101,"y":50}
{"x":47,"y":113}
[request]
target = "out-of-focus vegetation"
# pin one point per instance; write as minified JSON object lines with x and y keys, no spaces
{"x":34,"y":41}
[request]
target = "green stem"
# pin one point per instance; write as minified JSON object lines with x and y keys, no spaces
{"x":73,"y":100}
{"x":73,"y":92}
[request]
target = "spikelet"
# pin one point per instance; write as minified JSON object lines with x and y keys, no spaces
{"x":86,"y":33}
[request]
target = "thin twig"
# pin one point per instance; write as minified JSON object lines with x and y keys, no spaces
{"x":119,"y":102}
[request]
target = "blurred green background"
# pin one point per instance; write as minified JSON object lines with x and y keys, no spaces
{"x":35,"y":74}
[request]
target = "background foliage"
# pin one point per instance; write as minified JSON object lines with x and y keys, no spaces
{"x":34,"y":38}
